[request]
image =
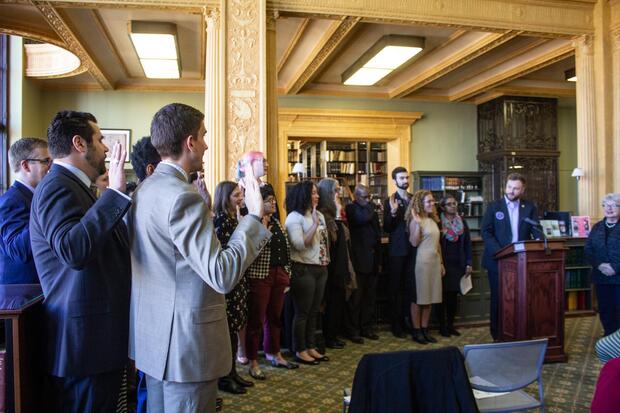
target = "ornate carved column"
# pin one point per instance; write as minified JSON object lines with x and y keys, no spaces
{"x":615,"y":41}
{"x":586,"y":127}
{"x":244,"y":29}
{"x":215,"y":156}
{"x":272,"y":101}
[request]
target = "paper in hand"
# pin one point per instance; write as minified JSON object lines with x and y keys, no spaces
{"x":466,"y":284}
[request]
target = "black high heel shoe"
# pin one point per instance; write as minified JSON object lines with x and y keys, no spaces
{"x":313,"y":362}
{"x":427,"y":336}
{"x":418,"y":337}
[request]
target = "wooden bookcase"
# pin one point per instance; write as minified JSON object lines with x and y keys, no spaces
{"x":579,"y":298}
{"x":466,"y":187}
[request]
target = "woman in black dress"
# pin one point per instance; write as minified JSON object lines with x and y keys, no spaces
{"x":456,"y":251}
{"x":227,"y":203}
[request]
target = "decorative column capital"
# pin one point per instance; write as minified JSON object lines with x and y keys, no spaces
{"x":272,"y":16}
{"x":584,"y":44}
{"x":212,"y":16}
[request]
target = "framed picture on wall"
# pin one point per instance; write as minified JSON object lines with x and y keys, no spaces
{"x":111,"y":136}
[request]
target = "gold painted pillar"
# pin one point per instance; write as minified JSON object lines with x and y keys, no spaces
{"x":244,"y":32}
{"x":272,"y":103}
{"x":615,"y":41}
{"x":215,"y":156}
{"x":586,"y":127}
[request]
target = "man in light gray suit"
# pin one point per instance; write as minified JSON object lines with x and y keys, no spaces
{"x":178,"y":329}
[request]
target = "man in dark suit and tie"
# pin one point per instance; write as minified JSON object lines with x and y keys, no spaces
{"x":30,"y":161}
{"x":81,"y":252}
{"x":503,"y":224}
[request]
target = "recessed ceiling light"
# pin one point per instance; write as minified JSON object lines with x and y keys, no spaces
{"x":386,"y":55}
{"x":157,"y":48}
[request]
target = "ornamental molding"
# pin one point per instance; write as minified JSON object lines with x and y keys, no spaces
{"x":72,"y":42}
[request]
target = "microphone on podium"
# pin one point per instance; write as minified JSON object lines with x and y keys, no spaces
{"x":532,"y":222}
{"x":540,"y":229}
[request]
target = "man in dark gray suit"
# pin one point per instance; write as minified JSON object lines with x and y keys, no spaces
{"x":504,"y":223}
{"x":80,"y":249}
{"x":178,"y":328}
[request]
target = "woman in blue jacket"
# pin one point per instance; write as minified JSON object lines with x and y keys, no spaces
{"x":602,"y":250}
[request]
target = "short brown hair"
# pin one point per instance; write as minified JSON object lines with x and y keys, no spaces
{"x":22,"y":149}
{"x":515,"y":176}
{"x":171,"y":125}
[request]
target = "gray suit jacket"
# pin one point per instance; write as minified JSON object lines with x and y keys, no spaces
{"x":178,"y":327}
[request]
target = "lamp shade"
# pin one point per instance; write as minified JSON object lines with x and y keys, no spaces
{"x":299,"y":168}
{"x":577,"y":173}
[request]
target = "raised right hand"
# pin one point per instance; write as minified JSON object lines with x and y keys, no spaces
{"x":253,"y":198}
{"x":116,"y":172}
{"x":393,"y":204}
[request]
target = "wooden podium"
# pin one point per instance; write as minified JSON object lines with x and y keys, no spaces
{"x":531,"y":294}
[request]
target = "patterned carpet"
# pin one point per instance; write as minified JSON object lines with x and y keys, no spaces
{"x":317,"y":389}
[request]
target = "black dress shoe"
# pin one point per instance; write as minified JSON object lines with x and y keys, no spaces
{"x":418,"y":337}
{"x":242,"y":382}
{"x":444,"y":332}
{"x":356,"y":340}
{"x":229,"y":385}
{"x":453,"y":331}
{"x":370,"y":336}
{"x":428,"y":336}
{"x":309,"y":363}
{"x":335,"y":344}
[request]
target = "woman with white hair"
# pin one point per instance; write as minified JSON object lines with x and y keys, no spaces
{"x":603,"y":252}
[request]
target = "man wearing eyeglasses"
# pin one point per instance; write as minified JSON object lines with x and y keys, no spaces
{"x":30,"y":161}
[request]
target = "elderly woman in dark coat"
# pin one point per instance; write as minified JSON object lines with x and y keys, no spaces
{"x":602,"y":250}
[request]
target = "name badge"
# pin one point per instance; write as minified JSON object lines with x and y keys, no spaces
{"x":499,"y":215}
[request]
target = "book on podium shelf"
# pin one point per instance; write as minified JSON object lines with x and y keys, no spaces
{"x":580,"y":226}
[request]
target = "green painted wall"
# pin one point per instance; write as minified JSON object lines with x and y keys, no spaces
{"x":567,"y":145}
{"x":115,"y":109}
{"x":444,"y":139}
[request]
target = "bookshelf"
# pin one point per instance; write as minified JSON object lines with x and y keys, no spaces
{"x":351,"y":162}
{"x":466,"y":187}
{"x":579,"y":297}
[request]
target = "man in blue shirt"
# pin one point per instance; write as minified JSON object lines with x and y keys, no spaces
{"x":30,"y":160}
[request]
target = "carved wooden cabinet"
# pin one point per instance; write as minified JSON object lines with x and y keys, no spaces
{"x":519,"y":134}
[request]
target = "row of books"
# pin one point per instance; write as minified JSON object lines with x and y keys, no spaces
{"x":577,"y":300}
{"x":575,"y":256}
{"x":378,"y":168}
{"x":340,"y":168}
{"x":378,"y":156}
{"x":339,"y":156}
{"x":562,"y":224}
{"x":577,"y":278}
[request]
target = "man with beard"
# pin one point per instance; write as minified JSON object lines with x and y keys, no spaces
{"x":401,"y":270}
{"x":503,"y":224}
{"x":81,"y":253}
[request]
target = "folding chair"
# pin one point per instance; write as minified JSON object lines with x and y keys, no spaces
{"x":506,"y":368}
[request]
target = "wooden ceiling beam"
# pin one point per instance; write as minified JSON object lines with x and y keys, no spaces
{"x":452,"y":62}
{"x":562,"y":50}
{"x":73,"y":43}
{"x":337,"y":32}
{"x":293,"y":43}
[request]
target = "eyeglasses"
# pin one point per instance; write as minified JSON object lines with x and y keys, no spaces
{"x":451,"y":204}
{"x":44,"y":161}
{"x":610,"y":205}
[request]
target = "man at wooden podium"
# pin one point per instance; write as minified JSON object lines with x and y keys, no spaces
{"x":504,"y":223}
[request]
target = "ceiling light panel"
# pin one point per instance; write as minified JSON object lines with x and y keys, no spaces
{"x":157,"y":47}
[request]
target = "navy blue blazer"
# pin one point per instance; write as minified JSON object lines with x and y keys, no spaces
{"x":365,"y":236}
{"x":81,"y":252}
{"x":497,"y":233}
{"x":600,"y":248}
{"x":16,"y":263}
{"x":399,"y":245}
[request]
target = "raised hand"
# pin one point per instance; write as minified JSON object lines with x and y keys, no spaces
{"x":116,"y":172}
{"x":253,"y":198}
{"x":393,"y":203}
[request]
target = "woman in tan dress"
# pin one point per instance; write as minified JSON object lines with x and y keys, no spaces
{"x":424,"y":234}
